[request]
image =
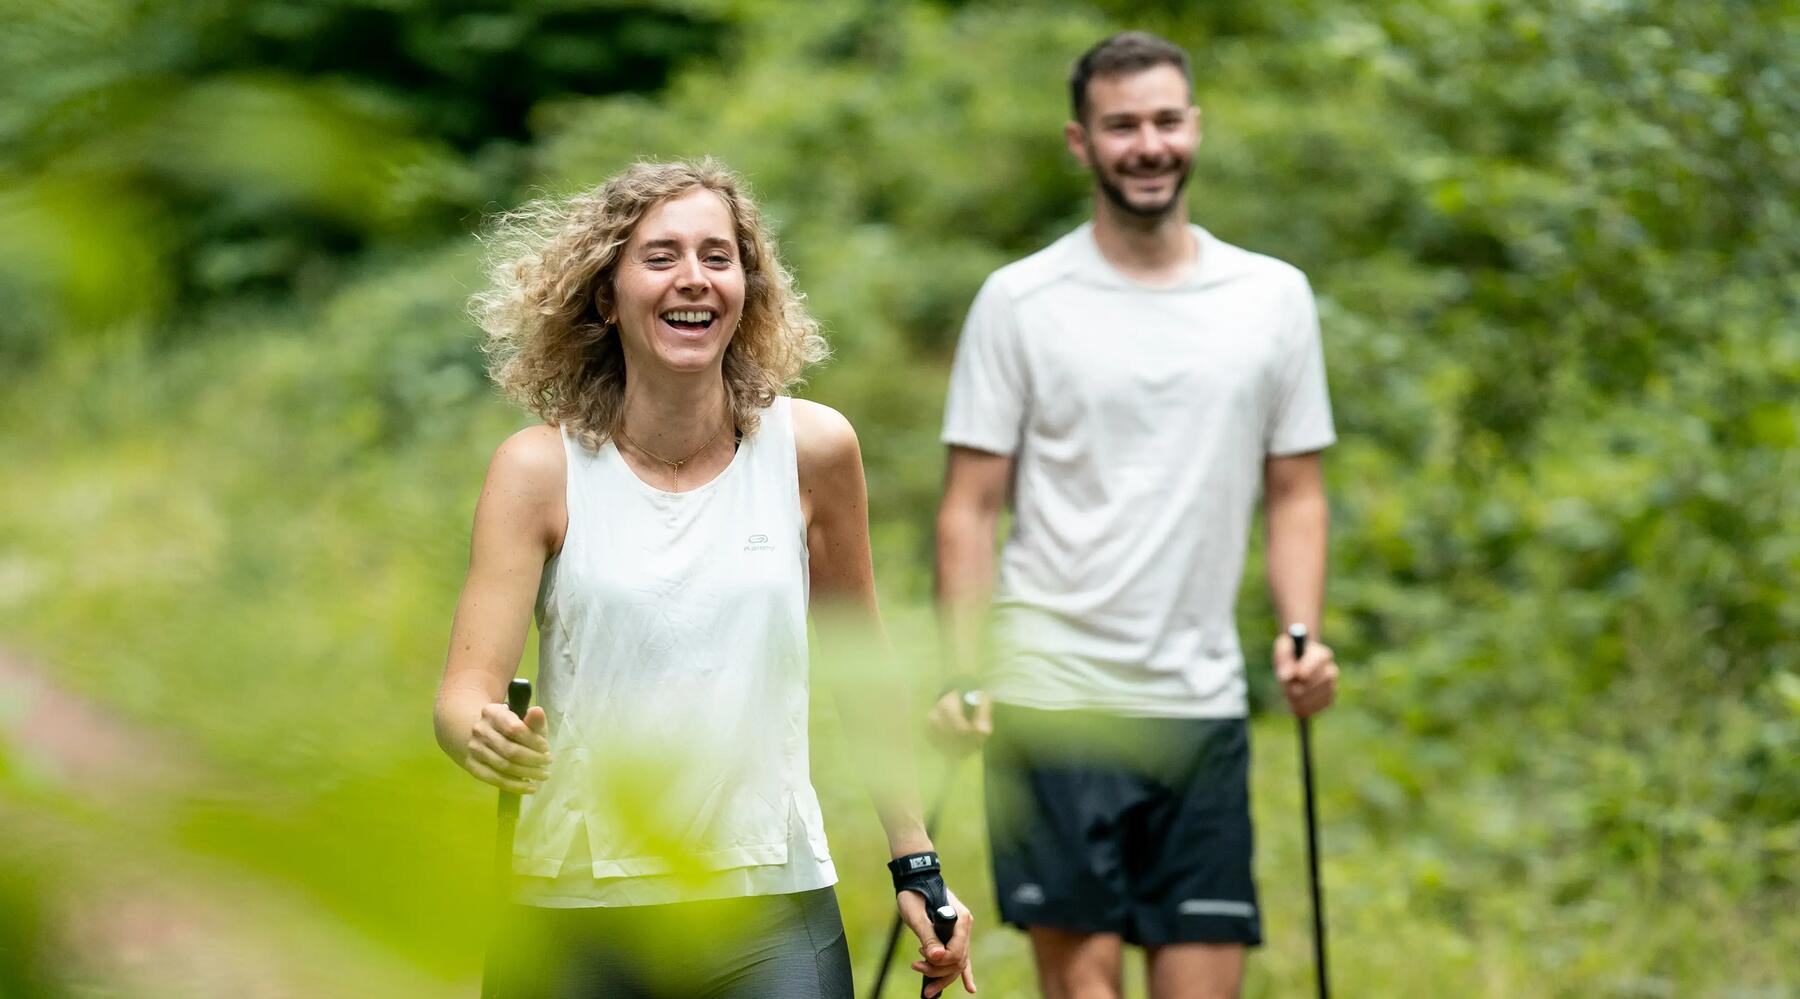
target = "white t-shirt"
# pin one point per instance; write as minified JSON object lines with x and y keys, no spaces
{"x":1139,"y":419}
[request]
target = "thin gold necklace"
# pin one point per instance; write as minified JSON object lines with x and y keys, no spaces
{"x":674,"y":464}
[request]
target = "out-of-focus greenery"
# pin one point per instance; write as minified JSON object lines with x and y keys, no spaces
{"x":242,"y":423}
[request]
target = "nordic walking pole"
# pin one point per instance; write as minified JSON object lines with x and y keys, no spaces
{"x":518,"y":699}
{"x":1297,"y":632}
{"x":943,"y":923}
{"x":971,"y":699}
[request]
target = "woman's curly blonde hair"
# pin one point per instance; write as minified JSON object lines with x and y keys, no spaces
{"x":552,"y":263}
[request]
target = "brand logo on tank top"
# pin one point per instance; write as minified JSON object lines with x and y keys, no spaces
{"x":758,"y":543}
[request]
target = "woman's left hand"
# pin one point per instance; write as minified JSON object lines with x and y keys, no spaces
{"x":943,"y":961}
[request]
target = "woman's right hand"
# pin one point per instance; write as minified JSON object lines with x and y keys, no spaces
{"x":509,"y":753}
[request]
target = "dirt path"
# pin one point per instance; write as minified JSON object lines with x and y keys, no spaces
{"x":130,"y":918}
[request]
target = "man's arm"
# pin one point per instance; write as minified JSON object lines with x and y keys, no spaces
{"x":1298,"y":522}
{"x":976,"y":484}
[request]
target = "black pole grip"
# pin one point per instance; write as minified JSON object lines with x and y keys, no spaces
{"x":943,"y":923}
{"x":1297,"y":632}
{"x":518,"y":696}
{"x":518,"y":699}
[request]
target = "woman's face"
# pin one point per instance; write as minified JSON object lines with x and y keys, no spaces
{"x":679,"y":287}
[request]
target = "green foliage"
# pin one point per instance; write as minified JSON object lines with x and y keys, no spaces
{"x":1554,"y":246}
{"x":161,"y":155}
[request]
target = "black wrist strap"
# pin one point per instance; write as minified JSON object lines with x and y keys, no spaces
{"x":921,"y":873}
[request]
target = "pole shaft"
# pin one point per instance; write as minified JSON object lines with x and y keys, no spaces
{"x":1297,"y":632}
{"x":518,"y":700}
{"x":1312,"y":861}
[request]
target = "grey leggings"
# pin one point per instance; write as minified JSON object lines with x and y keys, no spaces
{"x":737,"y":948}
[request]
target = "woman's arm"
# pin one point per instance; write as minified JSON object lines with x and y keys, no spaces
{"x":519,"y":523}
{"x":858,"y":664}
{"x":853,"y":653}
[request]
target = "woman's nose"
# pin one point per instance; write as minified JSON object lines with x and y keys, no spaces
{"x":691,"y":276}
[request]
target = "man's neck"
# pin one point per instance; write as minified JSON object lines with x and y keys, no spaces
{"x":1156,"y":251}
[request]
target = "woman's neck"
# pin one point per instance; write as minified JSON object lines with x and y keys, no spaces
{"x":672,"y":414}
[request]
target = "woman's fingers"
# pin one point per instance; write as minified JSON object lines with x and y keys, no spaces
{"x":500,"y":719}
{"x":517,"y":754}
{"x":488,"y":775}
{"x":958,"y":944}
{"x":509,"y":734}
{"x":504,"y":765}
{"x":955,"y":961}
{"x":508,"y":752}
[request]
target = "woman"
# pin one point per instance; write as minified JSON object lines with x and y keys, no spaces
{"x":667,"y":523}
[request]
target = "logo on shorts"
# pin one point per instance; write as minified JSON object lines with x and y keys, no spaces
{"x":758,"y":543}
{"x":1028,"y":894}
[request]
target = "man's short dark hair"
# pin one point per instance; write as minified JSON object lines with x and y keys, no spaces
{"x":1125,"y":52}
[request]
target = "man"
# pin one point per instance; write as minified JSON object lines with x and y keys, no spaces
{"x":1128,"y":389}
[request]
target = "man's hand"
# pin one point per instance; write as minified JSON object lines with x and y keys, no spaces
{"x":942,"y":961}
{"x":959,"y":727}
{"x":1310,"y":684}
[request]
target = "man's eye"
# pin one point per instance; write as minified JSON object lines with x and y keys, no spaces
{"x":660,"y":261}
{"x":718,"y":258}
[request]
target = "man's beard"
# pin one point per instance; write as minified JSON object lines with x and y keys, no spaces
{"x":1115,"y":194}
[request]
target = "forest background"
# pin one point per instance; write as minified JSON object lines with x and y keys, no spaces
{"x":243,"y":420}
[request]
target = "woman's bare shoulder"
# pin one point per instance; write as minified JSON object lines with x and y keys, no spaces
{"x":829,"y":459}
{"x":530,"y":463}
{"x":822,"y":435}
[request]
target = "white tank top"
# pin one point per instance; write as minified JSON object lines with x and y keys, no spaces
{"x":673,"y":667}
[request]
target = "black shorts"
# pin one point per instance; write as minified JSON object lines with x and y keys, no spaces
{"x":1134,"y":826}
{"x":760,"y":947}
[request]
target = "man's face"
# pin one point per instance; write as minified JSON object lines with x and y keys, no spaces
{"x":1138,"y":139}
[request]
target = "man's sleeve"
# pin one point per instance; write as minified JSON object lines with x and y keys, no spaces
{"x":1300,"y":421}
{"x":986,"y":406}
